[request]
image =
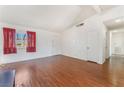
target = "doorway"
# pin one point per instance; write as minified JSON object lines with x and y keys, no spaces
{"x":115,"y":43}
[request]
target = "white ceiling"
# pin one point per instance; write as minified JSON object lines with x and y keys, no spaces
{"x":107,"y":7}
{"x":50,"y":17}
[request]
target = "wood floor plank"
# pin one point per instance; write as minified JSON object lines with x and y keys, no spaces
{"x":62,"y":71}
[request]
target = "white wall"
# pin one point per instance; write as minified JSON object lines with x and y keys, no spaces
{"x":108,"y":38}
{"x":1,"y":46}
{"x":73,"y":44}
{"x":43,"y":43}
{"x":76,"y":40}
{"x":117,"y":42}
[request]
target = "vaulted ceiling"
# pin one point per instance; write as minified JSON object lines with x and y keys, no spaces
{"x":50,"y":17}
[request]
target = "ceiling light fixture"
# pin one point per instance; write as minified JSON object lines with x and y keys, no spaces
{"x":118,"y":20}
{"x":115,"y":31}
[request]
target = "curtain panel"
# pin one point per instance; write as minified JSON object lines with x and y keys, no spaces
{"x":9,"y":40}
{"x":31,"y":41}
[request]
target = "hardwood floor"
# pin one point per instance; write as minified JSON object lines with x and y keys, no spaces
{"x":68,"y":72}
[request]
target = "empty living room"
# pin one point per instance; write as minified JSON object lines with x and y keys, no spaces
{"x":61,"y":46}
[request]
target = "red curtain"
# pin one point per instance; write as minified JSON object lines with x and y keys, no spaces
{"x":31,"y":41}
{"x":9,"y":40}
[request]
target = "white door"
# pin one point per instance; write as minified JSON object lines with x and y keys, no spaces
{"x":82,"y":43}
{"x":92,"y":46}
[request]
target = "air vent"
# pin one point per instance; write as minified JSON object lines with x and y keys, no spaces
{"x":81,"y":24}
